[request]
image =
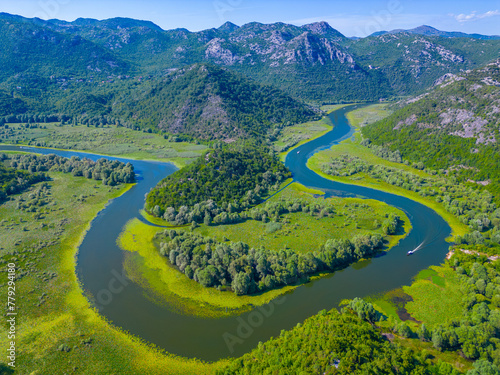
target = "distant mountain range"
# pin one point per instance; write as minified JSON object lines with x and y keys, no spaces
{"x":431,"y":31}
{"x":85,"y":66}
{"x":314,"y":62}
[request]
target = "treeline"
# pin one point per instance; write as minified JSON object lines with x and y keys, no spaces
{"x":228,"y":179}
{"x":247,"y":270}
{"x":110,"y":172}
{"x":473,"y":206}
{"x":476,"y":334}
{"x":333,"y":343}
{"x":13,"y":181}
{"x":30,"y":120}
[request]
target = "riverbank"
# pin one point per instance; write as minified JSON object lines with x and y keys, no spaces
{"x":298,"y":305}
{"x":300,"y":232}
{"x":107,"y":141}
{"x":353,"y":148}
{"x":58,"y":331}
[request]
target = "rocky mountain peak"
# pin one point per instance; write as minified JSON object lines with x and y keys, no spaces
{"x":228,"y":27}
{"x":324,"y":29}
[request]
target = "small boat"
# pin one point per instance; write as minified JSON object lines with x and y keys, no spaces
{"x":415,"y":249}
{"x":298,"y":151}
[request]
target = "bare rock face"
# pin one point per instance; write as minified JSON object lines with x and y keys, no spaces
{"x":470,"y":126}
{"x":280,"y":45}
{"x":216,"y":51}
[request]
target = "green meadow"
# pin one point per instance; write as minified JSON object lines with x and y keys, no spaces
{"x":108,"y":140}
{"x":435,"y":297}
{"x":300,"y":232}
{"x":57,"y":329}
{"x":296,"y":135}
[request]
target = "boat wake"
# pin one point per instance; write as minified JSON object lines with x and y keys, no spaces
{"x":415,"y":249}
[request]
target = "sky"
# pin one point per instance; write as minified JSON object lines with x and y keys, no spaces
{"x":352,"y":17}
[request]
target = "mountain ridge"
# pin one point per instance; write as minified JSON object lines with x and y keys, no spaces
{"x":429,"y":30}
{"x":88,"y":61}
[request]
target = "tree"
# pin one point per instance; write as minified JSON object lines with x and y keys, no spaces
{"x":207,"y":220}
{"x":241,"y":283}
{"x":483,"y":367}
{"x":365,"y":310}
{"x":438,"y":340}
{"x":424,"y":334}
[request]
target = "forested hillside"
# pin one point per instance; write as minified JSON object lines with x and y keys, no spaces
{"x":453,"y":127}
{"x":225,"y":179}
{"x":207,"y":102}
{"x":313,"y":62}
{"x":335,"y":343}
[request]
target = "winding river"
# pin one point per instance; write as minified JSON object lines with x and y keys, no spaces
{"x":100,"y":264}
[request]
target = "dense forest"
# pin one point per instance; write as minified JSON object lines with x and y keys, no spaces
{"x":13,"y":181}
{"x":335,"y":343}
{"x":229,"y":179}
{"x":208,"y":102}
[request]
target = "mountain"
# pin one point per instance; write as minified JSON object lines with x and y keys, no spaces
{"x":29,"y":48}
{"x":202,"y":100}
{"x":117,"y":67}
{"x":411,"y":63}
{"x":454,"y":126}
{"x":313,"y":62}
{"x":431,"y":31}
{"x":209,"y":102}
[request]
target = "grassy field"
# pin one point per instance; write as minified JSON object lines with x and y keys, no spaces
{"x":300,"y":232}
{"x":369,"y":114}
{"x":111,"y":140}
{"x":354,"y":148}
{"x":296,"y":135}
{"x":57,"y":330}
{"x":329,"y":108}
{"x":435,"y":297}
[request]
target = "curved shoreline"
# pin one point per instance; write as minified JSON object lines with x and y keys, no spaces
{"x":99,"y":256}
{"x":458,"y":229}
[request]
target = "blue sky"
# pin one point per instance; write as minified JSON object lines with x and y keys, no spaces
{"x":354,"y":17}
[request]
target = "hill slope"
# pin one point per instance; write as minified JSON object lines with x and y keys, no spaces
{"x":27,"y":48}
{"x":313,"y":62}
{"x":454,"y":126}
{"x":208,"y":102}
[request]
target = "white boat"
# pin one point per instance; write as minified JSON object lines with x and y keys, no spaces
{"x":415,"y":249}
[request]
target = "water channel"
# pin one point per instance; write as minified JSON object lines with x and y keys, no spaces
{"x":100,"y":261}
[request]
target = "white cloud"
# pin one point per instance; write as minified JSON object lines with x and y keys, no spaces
{"x":475,"y":16}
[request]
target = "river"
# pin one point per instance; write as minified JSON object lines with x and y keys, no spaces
{"x":100,"y":264}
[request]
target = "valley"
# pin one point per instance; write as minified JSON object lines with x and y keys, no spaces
{"x":269,"y":198}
